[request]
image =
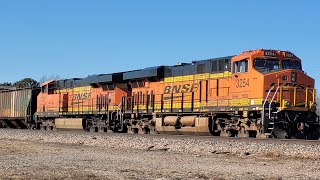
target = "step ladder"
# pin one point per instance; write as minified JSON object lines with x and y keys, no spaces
{"x":118,"y":117}
{"x":270,"y":126}
{"x":267,"y":118}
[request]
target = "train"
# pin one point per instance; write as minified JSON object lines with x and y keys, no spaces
{"x":257,"y":93}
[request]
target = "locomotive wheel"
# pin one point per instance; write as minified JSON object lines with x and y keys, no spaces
{"x":43,"y":128}
{"x":231,"y":133}
{"x":251,"y":134}
{"x":216,"y":133}
{"x":146,"y":130}
{"x":135,"y":130}
{"x":103,"y":129}
{"x":93,"y":129}
{"x":313,"y":134}
{"x":280,"y":133}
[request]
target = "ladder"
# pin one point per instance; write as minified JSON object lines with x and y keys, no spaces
{"x":270,"y":126}
{"x":118,"y":116}
{"x":266,"y":120}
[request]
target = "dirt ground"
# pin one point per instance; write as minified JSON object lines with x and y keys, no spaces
{"x":40,"y":160}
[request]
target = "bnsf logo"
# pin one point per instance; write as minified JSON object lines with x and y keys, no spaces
{"x":82,"y":96}
{"x":183,"y":88}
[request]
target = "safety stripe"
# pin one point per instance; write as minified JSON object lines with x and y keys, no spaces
{"x":217,"y":103}
{"x":197,"y":77}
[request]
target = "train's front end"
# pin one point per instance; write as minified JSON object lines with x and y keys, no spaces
{"x":289,"y":106}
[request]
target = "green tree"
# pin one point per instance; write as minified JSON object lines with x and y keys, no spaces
{"x":26,"y":83}
{"x":6,"y":84}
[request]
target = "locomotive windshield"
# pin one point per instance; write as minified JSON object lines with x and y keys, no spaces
{"x":266,"y":64}
{"x":287,"y":64}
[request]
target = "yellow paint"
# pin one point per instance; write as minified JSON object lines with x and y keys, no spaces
{"x":197,"y":77}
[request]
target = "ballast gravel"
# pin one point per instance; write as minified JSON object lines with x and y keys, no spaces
{"x":27,"y":154}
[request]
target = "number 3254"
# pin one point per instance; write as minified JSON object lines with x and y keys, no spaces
{"x":242,"y":83}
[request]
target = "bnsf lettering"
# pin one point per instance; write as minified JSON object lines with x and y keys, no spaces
{"x":82,"y":96}
{"x":181,"y":88}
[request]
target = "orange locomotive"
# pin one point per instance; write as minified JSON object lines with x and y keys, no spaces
{"x":262,"y":93}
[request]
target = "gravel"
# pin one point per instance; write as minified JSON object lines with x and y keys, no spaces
{"x":179,"y":144}
{"x":73,"y":155}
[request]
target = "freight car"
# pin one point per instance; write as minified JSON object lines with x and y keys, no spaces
{"x":17,"y":107}
{"x":258,"y":93}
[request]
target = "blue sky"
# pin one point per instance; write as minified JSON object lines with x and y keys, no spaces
{"x":74,"y":38}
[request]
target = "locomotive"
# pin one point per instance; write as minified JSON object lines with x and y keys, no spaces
{"x":258,"y":93}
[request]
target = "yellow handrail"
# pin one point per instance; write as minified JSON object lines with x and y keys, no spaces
{"x":306,"y":103}
{"x":295,"y":96}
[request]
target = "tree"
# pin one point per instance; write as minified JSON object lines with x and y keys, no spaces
{"x":47,"y":78}
{"x":26,"y":83}
{"x":6,"y":84}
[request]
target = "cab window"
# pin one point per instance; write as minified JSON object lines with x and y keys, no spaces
{"x":266,"y":64}
{"x":240,"y":66}
{"x":287,"y":64}
{"x":44,"y":89}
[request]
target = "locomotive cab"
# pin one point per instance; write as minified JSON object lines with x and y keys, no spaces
{"x":286,"y":94}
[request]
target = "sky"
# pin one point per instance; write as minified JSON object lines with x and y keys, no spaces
{"x":77,"y":38}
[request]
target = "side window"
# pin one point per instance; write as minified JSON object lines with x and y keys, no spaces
{"x":227,"y":65}
{"x":221,"y":65}
{"x":240,"y":66}
{"x":200,"y":68}
{"x":44,"y":89}
{"x":214,"y":66}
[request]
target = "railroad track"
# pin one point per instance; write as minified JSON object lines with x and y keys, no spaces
{"x":175,"y":137}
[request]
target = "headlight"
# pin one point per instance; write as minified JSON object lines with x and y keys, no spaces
{"x":286,"y":103}
{"x":293,"y":77}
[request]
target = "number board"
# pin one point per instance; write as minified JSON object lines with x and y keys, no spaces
{"x":270,"y":53}
{"x":288,"y":55}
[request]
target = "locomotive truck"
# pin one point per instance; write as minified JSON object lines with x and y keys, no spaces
{"x":258,"y":93}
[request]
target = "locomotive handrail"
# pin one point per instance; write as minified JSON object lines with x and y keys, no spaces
{"x":263,"y":106}
{"x":306,"y":102}
{"x":117,"y":111}
{"x":274,"y":95}
{"x":264,"y":103}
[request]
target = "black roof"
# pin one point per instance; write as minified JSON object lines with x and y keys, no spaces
{"x":104,"y":78}
{"x":213,"y":59}
{"x":151,"y":73}
{"x":90,"y":80}
{"x":144,"y":73}
{"x":180,"y":70}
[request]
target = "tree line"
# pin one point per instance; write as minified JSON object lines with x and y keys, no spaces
{"x":23,"y":83}
{"x":29,"y":82}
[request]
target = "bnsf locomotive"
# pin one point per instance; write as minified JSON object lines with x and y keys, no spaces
{"x":259,"y":93}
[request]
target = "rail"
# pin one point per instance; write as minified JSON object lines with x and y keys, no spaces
{"x":302,"y":97}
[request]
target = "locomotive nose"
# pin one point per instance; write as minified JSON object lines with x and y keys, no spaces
{"x":294,"y":78}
